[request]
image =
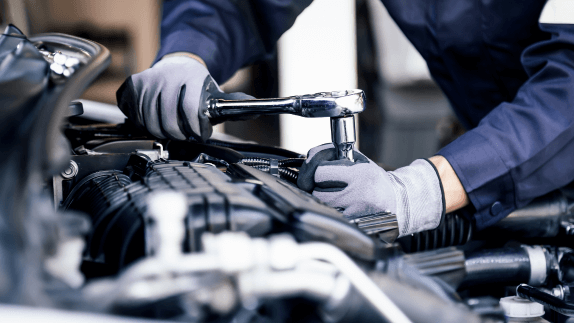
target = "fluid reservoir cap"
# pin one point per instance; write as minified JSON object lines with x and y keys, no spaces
{"x":515,"y":306}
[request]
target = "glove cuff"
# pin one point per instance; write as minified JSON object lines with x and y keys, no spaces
{"x":419,"y":197}
{"x":441,"y":191}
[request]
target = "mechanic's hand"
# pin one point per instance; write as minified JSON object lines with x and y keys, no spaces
{"x":169,"y":99}
{"x":413,"y":193}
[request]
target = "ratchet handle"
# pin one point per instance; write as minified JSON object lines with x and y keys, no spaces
{"x":318,"y":105}
{"x":223,"y":110}
{"x":340,"y":106}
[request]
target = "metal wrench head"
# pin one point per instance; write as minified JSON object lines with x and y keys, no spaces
{"x":332,"y":104}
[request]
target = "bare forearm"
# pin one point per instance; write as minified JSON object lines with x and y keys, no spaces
{"x":454,"y":194}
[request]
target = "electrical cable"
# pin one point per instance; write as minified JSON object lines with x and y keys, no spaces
{"x":538,"y":296}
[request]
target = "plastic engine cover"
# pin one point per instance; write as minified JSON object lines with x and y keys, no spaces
{"x":118,"y":208}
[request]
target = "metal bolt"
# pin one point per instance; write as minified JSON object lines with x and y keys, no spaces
{"x":558,"y":292}
{"x":71,"y":171}
{"x":60,"y":58}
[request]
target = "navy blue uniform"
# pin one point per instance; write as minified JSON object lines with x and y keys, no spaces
{"x":510,"y":80}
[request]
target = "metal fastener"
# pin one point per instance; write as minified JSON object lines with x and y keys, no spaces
{"x":71,"y":171}
{"x":60,"y":58}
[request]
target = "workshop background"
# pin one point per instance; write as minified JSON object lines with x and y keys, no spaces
{"x":334,"y":45}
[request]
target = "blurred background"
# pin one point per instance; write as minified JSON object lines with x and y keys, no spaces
{"x":334,"y":45}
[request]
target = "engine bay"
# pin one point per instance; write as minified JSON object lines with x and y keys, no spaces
{"x":101,"y":217}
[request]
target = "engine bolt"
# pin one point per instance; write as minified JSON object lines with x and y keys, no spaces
{"x":71,"y":171}
{"x":60,"y":58}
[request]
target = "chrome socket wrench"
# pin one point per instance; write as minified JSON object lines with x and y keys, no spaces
{"x":340,"y":106}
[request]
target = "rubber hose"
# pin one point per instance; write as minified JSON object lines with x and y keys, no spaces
{"x":453,"y":231}
{"x":284,"y":172}
{"x":291,"y":162}
{"x":510,"y":266}
{"x":255,"y":148}
{"x":289,"y":173}
{"x":253,"y":162}
{"x":567,"y":267}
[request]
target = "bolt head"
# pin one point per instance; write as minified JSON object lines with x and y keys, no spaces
{"x":71,"y":171}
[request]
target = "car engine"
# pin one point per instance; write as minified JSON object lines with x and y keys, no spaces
{"x":100,"y":218}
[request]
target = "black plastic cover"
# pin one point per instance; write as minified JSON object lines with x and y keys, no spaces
{"x":118,"y":209}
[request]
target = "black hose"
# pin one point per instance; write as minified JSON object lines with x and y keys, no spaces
{"x":256,"y":161}
{"x":291,"y":162}
{"x":510,"y":266}
{"x":289,"y":174}
{"x":253,"y":162}
{"x":255,"y":148}
{"x":284,"y":166}
{"x":567,"y":267}
{"x":453,"y":231}
{"x":538,"y":296}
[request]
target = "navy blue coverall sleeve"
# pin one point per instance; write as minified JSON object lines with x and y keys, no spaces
{"x":226,"y":34}
{"x":524,"y":148}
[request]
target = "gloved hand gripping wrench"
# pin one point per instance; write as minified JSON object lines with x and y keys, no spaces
{"x":340,"y":106}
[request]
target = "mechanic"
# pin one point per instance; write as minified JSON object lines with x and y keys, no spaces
{"x":507,"y":68}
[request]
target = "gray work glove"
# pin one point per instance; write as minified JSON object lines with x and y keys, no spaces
{"x":413,"y":193}
{"x":169,"y":99}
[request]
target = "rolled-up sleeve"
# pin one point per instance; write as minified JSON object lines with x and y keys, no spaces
{"x":525,"y":148}
{"x":226,"y":34}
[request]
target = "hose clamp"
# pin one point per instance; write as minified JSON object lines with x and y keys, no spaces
{"x":538,"y":270}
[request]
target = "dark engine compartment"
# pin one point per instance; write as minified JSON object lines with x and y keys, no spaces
{"x":101,"y":217}
{"x":229,"y":187}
